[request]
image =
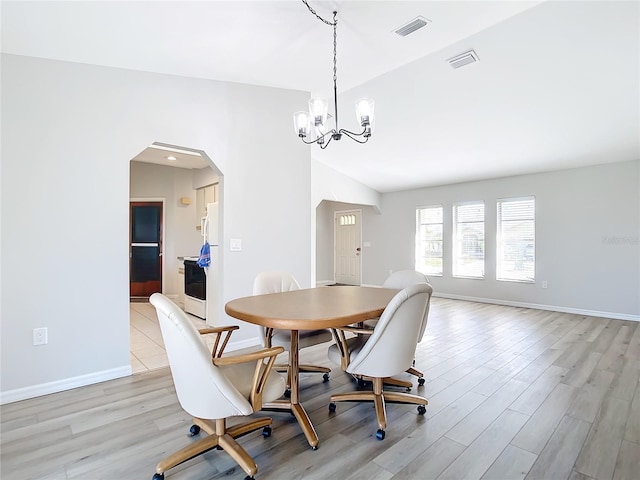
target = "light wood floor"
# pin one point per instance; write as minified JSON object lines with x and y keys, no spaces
{"x":513,"y":393}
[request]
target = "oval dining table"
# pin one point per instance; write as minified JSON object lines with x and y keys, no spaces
{"x":309,"y":309}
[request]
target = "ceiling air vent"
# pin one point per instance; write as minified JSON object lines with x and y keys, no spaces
{"x":412,"y":26}
{"x":463,"y":59}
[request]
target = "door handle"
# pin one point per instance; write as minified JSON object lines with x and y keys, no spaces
{"x":358,"y":249}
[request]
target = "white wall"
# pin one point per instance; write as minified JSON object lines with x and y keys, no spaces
{"x":587,"y":239}
{"x":68,"y":134}
{"x":330,"y":185}
{"x":181,"y":238}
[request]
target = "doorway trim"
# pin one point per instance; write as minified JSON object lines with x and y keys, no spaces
{"x":164,"y":209}
{"x":336,"y":214}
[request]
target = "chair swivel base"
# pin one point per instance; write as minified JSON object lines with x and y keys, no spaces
{"x":221,"y":437}
{"x":379,"y":398}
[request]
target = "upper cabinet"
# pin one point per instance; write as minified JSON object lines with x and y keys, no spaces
{"x":205,"y":195}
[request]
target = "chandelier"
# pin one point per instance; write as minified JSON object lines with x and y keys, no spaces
{"x":317,"y":115}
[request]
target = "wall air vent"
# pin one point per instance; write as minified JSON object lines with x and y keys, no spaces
{"x":412,"y":26}
{"x":463,"y":59}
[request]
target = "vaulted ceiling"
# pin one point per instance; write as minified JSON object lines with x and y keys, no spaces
{"x":556,"y":85}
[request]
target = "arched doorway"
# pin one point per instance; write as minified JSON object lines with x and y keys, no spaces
{"x":181,"y":181}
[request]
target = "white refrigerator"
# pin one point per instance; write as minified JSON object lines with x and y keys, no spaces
{"x":201,"y":306}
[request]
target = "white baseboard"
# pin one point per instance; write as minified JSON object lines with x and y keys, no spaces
{"x":552,"y":308}
{"x":247,"y":343}
{"x":18,"y":394}
{"x":324,"y":283}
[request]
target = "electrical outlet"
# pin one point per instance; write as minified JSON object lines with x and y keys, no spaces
{"x":40,"y":336}
{"x":544,"y":284}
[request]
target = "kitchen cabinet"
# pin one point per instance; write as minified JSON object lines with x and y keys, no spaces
{"x":204,"y":196}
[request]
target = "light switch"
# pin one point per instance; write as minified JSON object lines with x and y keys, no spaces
{"x":235,"y":244}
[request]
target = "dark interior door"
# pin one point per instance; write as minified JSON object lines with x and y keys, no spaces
{"x":145,"y":248}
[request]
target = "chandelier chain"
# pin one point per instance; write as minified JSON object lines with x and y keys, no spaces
{"x":318,"y":16}
{"x":335,"y":48}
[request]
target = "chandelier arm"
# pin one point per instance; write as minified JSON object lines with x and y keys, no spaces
{"x":323,"y":146}
{"x":315,"y":140}
{"x":353,"y":136}
{"x":309,"y":142}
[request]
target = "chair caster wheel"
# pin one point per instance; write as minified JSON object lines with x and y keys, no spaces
{"x":194,"y":430}
{"x":421,"y":381}
{"x":422,"y":409}
{"x":314,"y":447}
{"x":158,"y":476}
{"x":380,"y":434}
{"x":249,"y":477}
{"x":287,"y":393}
{"x":332,"y":407}
{"x":325,"y":377}
{"x":266,"y":431}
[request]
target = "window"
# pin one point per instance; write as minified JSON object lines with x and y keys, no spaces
{"x":429,"y":240}
{"x":347,"y":219}
{"x":516,"y":240}
{"x":468,"y":240}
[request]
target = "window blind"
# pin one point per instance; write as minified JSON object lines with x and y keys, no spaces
{"x":515,"y":239}
{"x":429,"y":240}
{"x":468,"y":240}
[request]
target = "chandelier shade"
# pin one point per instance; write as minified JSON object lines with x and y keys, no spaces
{"x":318,"y":113}
{"x":301,"y":123}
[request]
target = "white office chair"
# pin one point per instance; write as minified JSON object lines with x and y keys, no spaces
{"x":388,"y":351}
{"x":399,"y":280}
{"x":211,"y":387}
{"x":276,"y":282}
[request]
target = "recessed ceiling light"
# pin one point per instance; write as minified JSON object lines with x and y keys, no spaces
{"x":171,"y":158}
{"x":177,"y":150}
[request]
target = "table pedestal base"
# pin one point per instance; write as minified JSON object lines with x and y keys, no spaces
{"x":300,"y":413}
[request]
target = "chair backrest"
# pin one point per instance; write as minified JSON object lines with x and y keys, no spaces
{"x":402,"y":279}
{"x":392,"y":346}
{"x":202,"y":388}
{"x":274,"y":282}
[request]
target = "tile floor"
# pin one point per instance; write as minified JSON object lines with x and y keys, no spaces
{"x":147,"y":349}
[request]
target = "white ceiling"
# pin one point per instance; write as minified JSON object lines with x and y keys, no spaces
{"x":557,"y":85}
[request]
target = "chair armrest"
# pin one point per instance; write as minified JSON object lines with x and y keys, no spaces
{"x":219,"y":331}
{"x":261,"y":372}
{"x":360,"y":331}
{"x":248,"y":357}
{"x":230,"y":328}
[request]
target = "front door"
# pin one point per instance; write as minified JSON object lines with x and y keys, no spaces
{"x":348,"y":233}
{"x":145,"y":248}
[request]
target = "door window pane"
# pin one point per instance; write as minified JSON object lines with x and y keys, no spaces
{"x":144,"y":264}
{"x":145,"y":224}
